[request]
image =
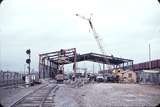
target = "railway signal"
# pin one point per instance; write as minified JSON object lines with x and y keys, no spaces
{"x":1,"y":1}
{"x":28,"y":51}
{"x":28,"y":60}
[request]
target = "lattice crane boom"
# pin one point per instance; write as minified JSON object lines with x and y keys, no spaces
{"x":95,"y":34}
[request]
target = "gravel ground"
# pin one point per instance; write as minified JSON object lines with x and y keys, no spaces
{"x":107,"y":94}
{"x":92,"y":95}
{"x":9,"y":96}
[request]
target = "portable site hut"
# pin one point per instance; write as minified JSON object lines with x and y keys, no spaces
{"x":149,"y":77}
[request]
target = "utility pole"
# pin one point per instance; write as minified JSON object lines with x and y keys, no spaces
{"x":0,"y":56}
{"x":74,"y":65}
{"x":149,"y":56}
{"x":93,"y":68}
{"x":24,"y":69}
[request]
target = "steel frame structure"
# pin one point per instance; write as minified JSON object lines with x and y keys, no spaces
{"x":53,"y":61}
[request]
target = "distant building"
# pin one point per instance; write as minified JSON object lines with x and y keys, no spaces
{"x":149,"y":77}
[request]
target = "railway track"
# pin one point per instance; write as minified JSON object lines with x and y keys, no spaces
{"x":42,"y":97}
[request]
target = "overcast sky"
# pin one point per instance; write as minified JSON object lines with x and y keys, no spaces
{"x":125,"y":26}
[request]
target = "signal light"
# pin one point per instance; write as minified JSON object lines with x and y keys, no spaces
{"x":28,"y":51}
{"x":28,"y":61}
{"x":1,"y":1}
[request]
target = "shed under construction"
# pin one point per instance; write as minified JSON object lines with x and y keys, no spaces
{"x":50,"y":63}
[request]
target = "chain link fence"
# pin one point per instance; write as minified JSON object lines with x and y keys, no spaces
{"x":8,"y":78}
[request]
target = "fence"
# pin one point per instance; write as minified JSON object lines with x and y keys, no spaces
{"x":10,"y":78}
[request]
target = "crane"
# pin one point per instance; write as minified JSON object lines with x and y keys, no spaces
{"x":96,"y":36}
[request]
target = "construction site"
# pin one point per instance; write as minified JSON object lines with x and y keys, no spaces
{"x":59,"y":72}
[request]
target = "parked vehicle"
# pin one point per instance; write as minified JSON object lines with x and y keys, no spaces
{"x":60,"y":77}
{"x":31,"y":79}
{"x":106,"y":78}
{"x":100,"y":78}
{"x":146,"y":65}
{"x":109,"y":78}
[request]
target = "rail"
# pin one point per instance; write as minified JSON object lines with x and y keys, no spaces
{"x":38,"y":98}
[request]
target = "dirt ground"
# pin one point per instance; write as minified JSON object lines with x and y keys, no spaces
{"x":107,"y":94}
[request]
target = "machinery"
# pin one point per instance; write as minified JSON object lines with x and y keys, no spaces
{"x":60,"y":76}
{"x":96,"y":36}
